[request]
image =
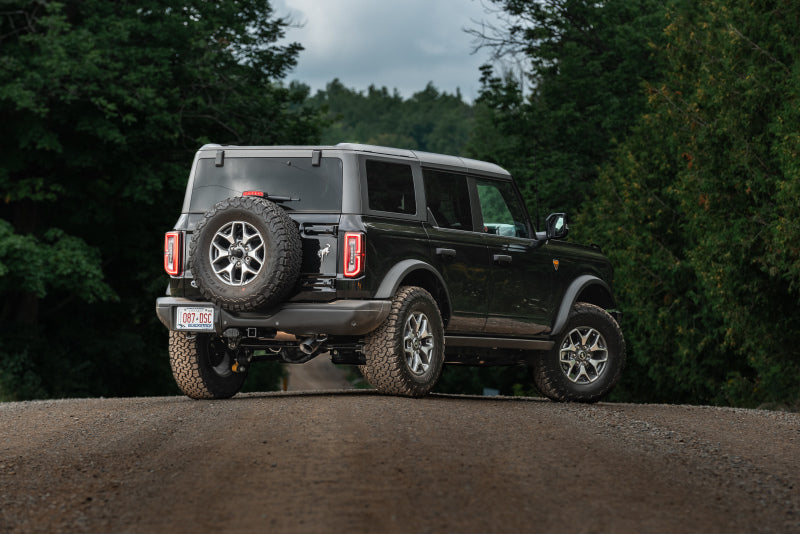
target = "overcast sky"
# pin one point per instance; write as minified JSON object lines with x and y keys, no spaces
{"x":403,"y":44}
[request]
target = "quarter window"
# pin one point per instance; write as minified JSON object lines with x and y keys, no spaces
{"x":390,"y":187}
{"x":448,"y":199}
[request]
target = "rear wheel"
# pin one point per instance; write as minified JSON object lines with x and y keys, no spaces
{"x":405,"y":354}
{"x":202,"y":366}
{"x":587,"y":360}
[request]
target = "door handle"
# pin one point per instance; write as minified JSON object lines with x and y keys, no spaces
{"x":502,"y":258}
{"x":446,"y":252}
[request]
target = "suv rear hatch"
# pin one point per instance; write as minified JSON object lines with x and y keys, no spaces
{"x":309,"y":188}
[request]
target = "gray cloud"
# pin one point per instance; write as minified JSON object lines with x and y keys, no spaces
{"x":401,"y":45}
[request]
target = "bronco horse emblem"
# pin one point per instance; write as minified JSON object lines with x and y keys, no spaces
{"x":323,"y":252}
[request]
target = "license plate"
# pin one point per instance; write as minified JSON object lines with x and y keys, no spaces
{"x":194,"y":318}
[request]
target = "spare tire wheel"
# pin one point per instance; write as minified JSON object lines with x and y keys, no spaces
{"x":245,"y":254}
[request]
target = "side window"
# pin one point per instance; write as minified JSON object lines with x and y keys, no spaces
{"x":501,"y":209}
{"x":390,"y":187}
{"x":448,"y":199}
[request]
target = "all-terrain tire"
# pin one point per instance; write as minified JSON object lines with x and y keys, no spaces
{"x":587,"y":359}
{"x":201,"y":366}
{"x":404,"y":356}
{"x":278,"y":261}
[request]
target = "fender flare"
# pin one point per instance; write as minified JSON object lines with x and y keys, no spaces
{"x":571,"y":296}
{"x":396,"y":274}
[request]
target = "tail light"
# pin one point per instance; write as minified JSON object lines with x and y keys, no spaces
{"x":353,"y":254}
{"x":173,"y":249}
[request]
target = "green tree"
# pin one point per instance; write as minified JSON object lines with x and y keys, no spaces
{"x":103,"y":104}
{"x":429,"y":120}
{"x":585,"y":64}
{"x":699,"y":211}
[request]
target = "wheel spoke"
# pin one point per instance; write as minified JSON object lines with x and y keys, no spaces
{"x":597,"y":365}
{"x":422,"y":330}
{"x":569,"y":371}
{"x":584,"y":337}
{"x":222,"y":251}
{"x":426,"y":349}
{"x":246,"y":236}
{"x":226,"y":269}
{"x":246,"y":269}
{"x":228,"y":236}
{"x":582,"y":372}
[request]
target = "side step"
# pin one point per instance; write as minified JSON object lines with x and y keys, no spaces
{"x":497,"y":343}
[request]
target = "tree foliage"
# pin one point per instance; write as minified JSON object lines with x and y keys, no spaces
{"x":103,"y":104}
{"x":586,"y":62}
{"x":689,"y":111}
{"x":429,"y":120}
{"x":699,"y":207}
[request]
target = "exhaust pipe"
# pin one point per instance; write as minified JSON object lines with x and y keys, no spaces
{"x":311,"y":345}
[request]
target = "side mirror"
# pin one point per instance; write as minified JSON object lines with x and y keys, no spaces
{"x":556,"y":226}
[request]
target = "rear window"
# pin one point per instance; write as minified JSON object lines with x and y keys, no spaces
{"x":390,"y":187}
{"x":315,"y":188}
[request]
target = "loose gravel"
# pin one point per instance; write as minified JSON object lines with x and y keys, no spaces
{"x":356,"y":461}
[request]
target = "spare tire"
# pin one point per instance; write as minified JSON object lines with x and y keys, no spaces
{"x":245,"y":254}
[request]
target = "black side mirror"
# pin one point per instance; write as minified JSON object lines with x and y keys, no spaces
{"x":556,"y":226}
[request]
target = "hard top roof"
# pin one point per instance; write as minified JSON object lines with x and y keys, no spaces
{"x":425,"y":158}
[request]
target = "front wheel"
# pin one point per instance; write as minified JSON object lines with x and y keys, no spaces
{"x":587,"y":360}
{"x":405,"y":354}
{"x":202,"y":366}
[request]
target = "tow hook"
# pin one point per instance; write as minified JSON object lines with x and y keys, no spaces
{"x":242,"y":361}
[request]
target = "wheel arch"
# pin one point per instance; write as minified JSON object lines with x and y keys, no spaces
{"x":420,"y":274}
{"x":586,"y":288}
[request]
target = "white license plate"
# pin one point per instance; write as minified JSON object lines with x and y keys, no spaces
{"x":194,"y":318}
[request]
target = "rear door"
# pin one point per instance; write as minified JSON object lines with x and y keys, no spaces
{"x":458,"y":252}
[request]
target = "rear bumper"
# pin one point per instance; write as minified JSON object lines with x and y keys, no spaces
{"x":336,"y":318}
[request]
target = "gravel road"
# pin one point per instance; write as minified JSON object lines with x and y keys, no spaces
{"x":355,"y":461}
{"x":318,"y":374}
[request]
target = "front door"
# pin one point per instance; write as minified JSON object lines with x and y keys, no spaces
{"x":520,"y":284}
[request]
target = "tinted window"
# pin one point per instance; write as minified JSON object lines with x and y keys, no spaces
{"x":448,"y":199}
{"x":502,"y":211}
{"x":317,"y":188}
{"x":390,"y":187}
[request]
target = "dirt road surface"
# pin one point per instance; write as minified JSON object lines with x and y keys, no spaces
{"x":359,"y":462}
{"x":319,"y":374}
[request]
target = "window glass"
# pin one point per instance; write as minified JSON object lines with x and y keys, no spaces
{"x":390,"y":187}
{"x":448,"y":199}
{"x":316,"y":188}
{"x":501,"y":209}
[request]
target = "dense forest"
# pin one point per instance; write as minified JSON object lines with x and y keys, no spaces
{"x":668,"y":130}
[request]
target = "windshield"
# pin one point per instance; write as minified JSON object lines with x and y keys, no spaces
{"x":311,"y":188}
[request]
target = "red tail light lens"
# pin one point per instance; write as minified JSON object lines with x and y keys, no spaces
{"x":353,"y":254}
{"x":173,"y":248}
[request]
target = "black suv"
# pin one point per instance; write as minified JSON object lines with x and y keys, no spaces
{"x":394,"y":260}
